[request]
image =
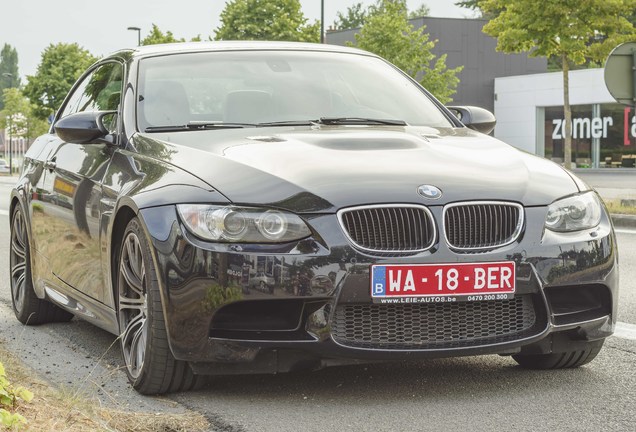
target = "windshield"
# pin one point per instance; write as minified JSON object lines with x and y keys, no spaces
{"x":246,"y":88}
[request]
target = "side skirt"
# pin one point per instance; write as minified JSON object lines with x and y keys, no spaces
{"x":83,"y":306}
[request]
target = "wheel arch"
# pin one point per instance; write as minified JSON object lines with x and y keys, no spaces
{"x":168,"y":374}
{"x":18,"y":200}
{"x":123,"y":216}
{"x":126,"y":211}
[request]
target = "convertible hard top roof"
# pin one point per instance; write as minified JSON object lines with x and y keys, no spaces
{"x":183,"y":47}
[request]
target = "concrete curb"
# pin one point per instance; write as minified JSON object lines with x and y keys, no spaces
{"x":624,"y":221}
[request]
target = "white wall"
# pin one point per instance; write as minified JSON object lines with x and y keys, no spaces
{"x":518,"y":97}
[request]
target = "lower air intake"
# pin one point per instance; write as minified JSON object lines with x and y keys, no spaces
{"x":435,"y":326}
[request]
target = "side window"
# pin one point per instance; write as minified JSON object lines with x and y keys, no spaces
{"x":99,"y":91}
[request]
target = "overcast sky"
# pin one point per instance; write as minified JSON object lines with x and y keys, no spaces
{"x":100,"y":27}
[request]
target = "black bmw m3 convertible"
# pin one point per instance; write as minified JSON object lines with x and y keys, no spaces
{"x":246,"y":207}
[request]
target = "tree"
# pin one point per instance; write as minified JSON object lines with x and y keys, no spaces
{"x":279,"y":20}
{"x":389,"y":34}
{"x":353,"y":17}
{"x":156,"y":36}
{"x":379,"y":7}
{"x":60,"y":67}
{"x":18,"y":118}
{"x":12,"y":117}
{"x":469,"y":4}
{"x":19,"y":112}
{"x":356,"y":15}
{"x":572,"y":30}
{"x":474,"y":6}
{"x":421,"y":11}
{"x":9,"y":76}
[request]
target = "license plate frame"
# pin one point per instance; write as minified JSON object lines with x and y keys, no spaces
{"x":442,"y":282}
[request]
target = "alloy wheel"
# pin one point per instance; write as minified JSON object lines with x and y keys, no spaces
{"x":18,"y":260}
{"x":133,"y":304}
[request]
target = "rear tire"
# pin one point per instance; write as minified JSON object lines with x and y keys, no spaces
{"x":28,"y":308}
{"x":570,"y":359}
{"x":150,"y":365}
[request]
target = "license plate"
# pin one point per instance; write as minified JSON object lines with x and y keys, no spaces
{"x":426,"y":283}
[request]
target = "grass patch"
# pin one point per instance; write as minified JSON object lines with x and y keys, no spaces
{"x":618,"y":206}
{"x":54,"y":409}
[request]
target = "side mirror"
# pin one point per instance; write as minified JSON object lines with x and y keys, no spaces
{"x":475,"y":118}
{"x":85,"y":127}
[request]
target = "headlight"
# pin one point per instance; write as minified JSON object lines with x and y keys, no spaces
{"x":574,"y":213}
{"x":242,"y":224}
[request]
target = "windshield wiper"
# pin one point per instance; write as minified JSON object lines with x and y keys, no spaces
{"x":199,"y":125}
{"x":287,"y":123}
{"x":359,"y":121}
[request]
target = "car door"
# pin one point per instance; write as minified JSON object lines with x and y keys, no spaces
{"x":75,"y":172}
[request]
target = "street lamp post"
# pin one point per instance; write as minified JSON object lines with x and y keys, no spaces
{"x":138,"y":30}
{"x":9,"y":75}
{"x":322,"y":21}
{"x":9,"y":126}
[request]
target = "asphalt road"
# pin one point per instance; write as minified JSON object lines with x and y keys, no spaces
{"x":474,"y":393}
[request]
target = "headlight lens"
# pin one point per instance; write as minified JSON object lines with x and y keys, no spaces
{"x":574,"y":213}
{"x":242,"y":224}
{"x":272,"y":224}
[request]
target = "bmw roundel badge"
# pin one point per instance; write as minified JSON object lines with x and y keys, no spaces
{"x":429,"y":191}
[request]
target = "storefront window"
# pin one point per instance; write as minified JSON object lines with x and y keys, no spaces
{"x":581,"y":134}
{"x":603,"y":135}
{"x":619,"y":148}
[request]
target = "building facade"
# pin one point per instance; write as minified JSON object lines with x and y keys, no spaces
{"x":529,"y":111}
{"x":464,"y":44}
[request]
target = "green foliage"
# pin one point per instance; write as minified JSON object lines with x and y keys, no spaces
{"x":277,"y":20}
{"x":631,"y":17}
{"x":356,"y":15}
{"x":10,"y":397}
{"x":421,"y":11}
{"x":573,"y":31}
{"x":468,"y":4}
{"x":475,"y":6}
{"x":353,"y":17}
{"x":572,"y":28}
{"x":380,"y":7}
{"x":18,"y":115}
{"x":60,"y":67}
{"x":12,"y":116}
{"x":389,"y":34}
{"x":156,"y":36}
{"x":9,"y":76}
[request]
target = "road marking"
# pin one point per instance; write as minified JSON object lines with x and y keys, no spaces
{"x":4,"y":212}
{"x":625,"y":331}
{"x":625,"y":231}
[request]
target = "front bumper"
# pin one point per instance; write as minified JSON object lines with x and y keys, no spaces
{"x":221,"y":323}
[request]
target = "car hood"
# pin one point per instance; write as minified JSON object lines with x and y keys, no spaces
{"x":323,"y":169}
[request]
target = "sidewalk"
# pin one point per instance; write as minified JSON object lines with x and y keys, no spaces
{"x":7,"y":179}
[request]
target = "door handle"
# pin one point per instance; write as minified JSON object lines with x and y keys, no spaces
{"x":50,"y":165}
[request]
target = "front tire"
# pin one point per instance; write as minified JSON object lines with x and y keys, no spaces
{"x":570,"y":359}
{"x":150,"y":365}
{"x":28,"y":308}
